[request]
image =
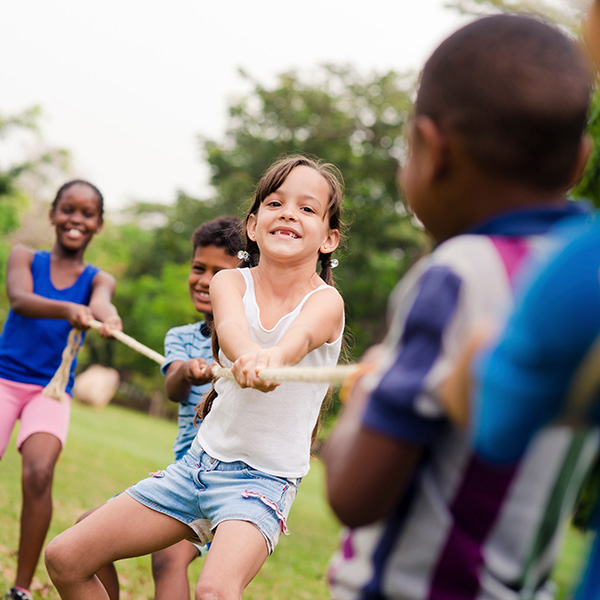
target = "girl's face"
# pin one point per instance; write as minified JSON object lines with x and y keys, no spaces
{"x":76,"y":217}
{"x":293,"y":220}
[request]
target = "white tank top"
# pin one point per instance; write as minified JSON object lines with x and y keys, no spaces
{"x":268,"y":431}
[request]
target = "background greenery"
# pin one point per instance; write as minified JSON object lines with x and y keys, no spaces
{"x":355,"y":120}
{"x":86,"y":477}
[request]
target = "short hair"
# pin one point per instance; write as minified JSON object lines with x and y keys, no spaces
{"x":517,"y":92}
{"x":65,"y":186}
{"x":222,"y":232}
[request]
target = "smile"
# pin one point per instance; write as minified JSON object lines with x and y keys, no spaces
{"x":285,"y":233}
{"x":74,"y":233}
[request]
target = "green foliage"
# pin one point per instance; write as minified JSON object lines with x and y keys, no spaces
{"x":13,"y":201}
{"x":589,"y":186}
{"x":356,"y":122}
{"x":172,"y":228}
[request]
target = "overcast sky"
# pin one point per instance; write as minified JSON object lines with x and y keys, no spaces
{"x":128,"y":85}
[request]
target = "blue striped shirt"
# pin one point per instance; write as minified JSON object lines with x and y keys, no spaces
{"x":182,"y":343}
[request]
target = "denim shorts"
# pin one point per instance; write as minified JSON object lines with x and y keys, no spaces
{"x":202,"y":492}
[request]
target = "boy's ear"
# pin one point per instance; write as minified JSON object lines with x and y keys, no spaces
{"x":99,"y":226}
{"x":51,"y":216}
{"x":585,"y":149}
{"x":331,"y":242}
{"x":432,"y":146}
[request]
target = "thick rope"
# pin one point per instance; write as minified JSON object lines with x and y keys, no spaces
{"x":132,"y":343}
{"x":57,"y":385}
{"x":332,"y":375}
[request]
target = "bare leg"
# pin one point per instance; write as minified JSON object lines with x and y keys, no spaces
{"x":236,"y":555}
{"x":121,"y":528}
{"x":39,"y":454}
{"x":169,"y":571}
{"x":108,"y":575}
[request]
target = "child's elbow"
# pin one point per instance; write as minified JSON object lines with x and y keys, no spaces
{"x":348,"y":507}
{"x":18,"y":304}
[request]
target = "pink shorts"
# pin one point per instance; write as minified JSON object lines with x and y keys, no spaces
{"x":37,"y":413}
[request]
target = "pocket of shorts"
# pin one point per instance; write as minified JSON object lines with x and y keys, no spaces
{"x":273,"y":487}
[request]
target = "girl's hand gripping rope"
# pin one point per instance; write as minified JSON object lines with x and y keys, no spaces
{"x":333,"y":375}
{"x":246,"y":369}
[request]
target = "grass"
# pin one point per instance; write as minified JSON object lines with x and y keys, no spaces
{"x":111,"y":448}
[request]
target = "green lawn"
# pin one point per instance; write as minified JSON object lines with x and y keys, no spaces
{"x":111,"y":448}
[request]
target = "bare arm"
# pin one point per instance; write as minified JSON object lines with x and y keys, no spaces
{"x":226,"y":291}
{"x":367,"y":473}
{"x":19,"y":287}
{"x":103,"y":289}
{"x":181,"y":375}
{"x":319,"y":321}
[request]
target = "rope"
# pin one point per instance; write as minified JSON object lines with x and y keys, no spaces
{"x":57,"y":385}
{"x":332,"y":375}
{"x":132,"y":343}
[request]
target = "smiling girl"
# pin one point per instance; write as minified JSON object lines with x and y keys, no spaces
{"x":242,"y":472}
{"x":49,"y":292}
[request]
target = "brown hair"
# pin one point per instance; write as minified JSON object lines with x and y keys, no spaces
{"x":270,"y":182}
{"x":273,"y":179}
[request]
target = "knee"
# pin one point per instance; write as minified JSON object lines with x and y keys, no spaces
{"x":58,"y":559}
{"x":162,"y":562}
{"x":37,"y":477}
{"x":208,"y":591}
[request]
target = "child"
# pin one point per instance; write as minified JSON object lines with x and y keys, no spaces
{"x":188,"y":351}
{"x":49,"y":292}
{"x":496,"y":141}
{"x":543,"y":369}
{"x":242,"y":472}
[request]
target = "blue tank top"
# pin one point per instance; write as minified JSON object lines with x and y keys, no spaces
{"x":31,"y":349}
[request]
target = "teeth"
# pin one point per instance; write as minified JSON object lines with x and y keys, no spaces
{"x":75,"y":233}
{"x":287,"y":233}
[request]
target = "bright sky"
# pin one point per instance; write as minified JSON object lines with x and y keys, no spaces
{"x":128,"y":85}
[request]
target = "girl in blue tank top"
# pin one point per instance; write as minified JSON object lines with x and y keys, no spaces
{"x":49,"y":293}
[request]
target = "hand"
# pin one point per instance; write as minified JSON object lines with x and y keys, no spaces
{"x":196,"y":371}
{"x":247,"y":367}
{"x":109,"y":325}
{"x":455,"y":392}
{"x":79,"y":315}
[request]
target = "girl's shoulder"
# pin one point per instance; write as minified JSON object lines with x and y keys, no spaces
{"x":230,"y":275}
{"x":329,"y":294}
{"x":229,"y":279}
{"x":21,"y":255}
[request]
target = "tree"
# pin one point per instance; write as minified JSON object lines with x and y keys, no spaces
{"x":35,"y":166}
{"x":356,"y":122}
